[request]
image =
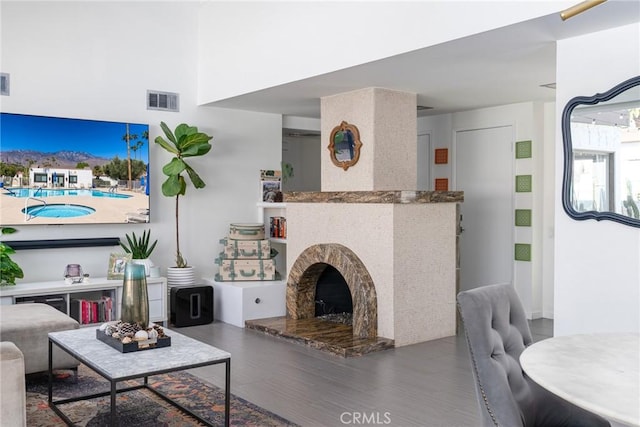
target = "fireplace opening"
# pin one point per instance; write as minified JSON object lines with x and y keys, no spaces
{"x":333,"y":298}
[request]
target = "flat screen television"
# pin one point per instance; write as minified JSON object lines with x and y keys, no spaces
{"x":56,"y":170}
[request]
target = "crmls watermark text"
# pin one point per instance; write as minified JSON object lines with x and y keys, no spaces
{"x":359,"y":418}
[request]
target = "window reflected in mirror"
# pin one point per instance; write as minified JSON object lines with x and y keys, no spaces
{"x":344,"y":145}
{"x":591,"y":184}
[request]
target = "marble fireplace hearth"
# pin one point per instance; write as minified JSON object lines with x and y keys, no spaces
{"x":331,"y":337}
{"x":302,"y":325}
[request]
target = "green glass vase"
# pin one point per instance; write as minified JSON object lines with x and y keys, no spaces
{"x":135,"y":297}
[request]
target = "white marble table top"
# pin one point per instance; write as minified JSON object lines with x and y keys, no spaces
{"x":184,"y":352}
{"x":598,"y":372}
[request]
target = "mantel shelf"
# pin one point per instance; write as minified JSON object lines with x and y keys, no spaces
{"x":272,"y":205}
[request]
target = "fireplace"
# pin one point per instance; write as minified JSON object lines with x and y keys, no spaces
{"x":333,"y":297}
{"x":397,"y":252}
{"x":309,"y":268}
{"x":396,"y":249}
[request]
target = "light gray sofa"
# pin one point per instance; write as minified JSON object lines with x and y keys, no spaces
{"x":28,"y":326}
{"x":13,"y":396}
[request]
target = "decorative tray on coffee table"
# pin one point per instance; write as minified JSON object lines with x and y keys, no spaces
{"x":127,"y":338}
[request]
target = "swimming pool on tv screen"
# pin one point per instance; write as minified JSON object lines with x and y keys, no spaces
{"x":49,"y":192}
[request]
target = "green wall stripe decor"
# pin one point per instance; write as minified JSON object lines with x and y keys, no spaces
{"x":523,"y":150}
{"x":523,"y":183}
{"x":523,"y":217}
{"x":523,"y":252}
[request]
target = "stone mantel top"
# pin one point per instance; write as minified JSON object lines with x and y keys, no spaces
{"x":399,"y":197}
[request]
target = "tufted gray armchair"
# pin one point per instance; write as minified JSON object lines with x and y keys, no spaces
{"x":497,"y":332}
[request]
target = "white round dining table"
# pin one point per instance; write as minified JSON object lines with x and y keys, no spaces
{"x":597,"y":372}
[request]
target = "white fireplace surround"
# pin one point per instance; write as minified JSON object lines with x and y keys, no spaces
{"x":408,"y":249}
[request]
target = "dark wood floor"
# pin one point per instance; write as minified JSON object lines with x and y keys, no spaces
{"x":427,"y":384}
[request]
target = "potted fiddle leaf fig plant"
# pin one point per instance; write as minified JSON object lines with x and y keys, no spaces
{"x":140,"y":249}
{"x":9,"y":269}
{"x":184,"y":142}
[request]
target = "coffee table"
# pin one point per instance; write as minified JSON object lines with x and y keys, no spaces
{"x":598,"y":372}
{"x":184,"y":353}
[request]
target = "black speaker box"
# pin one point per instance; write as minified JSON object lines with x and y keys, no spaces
{"x":191,"y":305}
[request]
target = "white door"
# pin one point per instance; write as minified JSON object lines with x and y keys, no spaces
{"x":423,"y":155}
{"x":484,"y":171}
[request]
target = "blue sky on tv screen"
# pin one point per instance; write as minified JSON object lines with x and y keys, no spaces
{"x":51,"y":134}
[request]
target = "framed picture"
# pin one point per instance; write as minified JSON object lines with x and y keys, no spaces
{"x":271,"y":190}
{"x":116,"y":265}
{"x":271,"y":185}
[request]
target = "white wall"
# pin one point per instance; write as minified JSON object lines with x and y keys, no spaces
{"x":548,"y":210}
{"x":276,"y":42}
{"x":597,"y":278}
{"x":303,"y":153}
{"x":529,"y":123}
{"x":95,"y":60}
{"x":440,"y":131}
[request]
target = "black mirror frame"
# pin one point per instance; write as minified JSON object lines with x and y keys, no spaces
{"x":568,"y":155}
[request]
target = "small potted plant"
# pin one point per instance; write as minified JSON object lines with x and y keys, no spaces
{"x":9,"y":270}
{"x":140,"y":249}
{"x":186,"y":141}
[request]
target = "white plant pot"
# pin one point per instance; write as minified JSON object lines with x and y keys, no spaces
{"x":147,"y":264}
{"x":177,"y":276}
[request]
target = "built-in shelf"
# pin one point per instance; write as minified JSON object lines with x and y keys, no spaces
{"x":266,"y":210}
{"x":61,"y":294}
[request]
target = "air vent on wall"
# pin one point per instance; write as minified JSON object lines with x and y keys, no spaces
{"x":165,"y":101}
{"x":4,"y":84}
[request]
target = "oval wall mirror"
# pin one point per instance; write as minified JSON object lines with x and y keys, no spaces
{"x":344,"y":145}
{"x":601,"y":136}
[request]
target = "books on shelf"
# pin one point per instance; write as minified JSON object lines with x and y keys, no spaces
{"x":278,"y":227}
{"x":87,"y":311}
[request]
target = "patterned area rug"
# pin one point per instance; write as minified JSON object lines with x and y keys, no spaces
{"x":140,"y":408}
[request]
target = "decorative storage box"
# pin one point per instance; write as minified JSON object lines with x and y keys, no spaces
{"x":246,"y":249}
{"x":246,"y":231}
{"x":246,"y":269}
{"x":133,"y":345}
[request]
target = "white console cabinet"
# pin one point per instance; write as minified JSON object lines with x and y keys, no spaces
{"x":235,"y":302}
{"x":61,"y":295}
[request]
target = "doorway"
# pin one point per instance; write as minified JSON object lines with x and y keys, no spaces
{"x":484,"y":171}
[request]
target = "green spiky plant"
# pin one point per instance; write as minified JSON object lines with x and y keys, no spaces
{"x":9,"y":270}
{"x":139,"y":247}
{"x":184,"y":142}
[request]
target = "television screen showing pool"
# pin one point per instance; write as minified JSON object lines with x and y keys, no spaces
{"x":57,"y":170}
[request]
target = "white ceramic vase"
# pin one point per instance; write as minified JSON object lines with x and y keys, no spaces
{"x":180,"y":276}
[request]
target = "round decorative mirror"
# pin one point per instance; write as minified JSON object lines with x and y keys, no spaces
{"x":344,"y":145}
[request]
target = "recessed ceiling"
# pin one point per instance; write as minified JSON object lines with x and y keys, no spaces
{"x":503,"y":66}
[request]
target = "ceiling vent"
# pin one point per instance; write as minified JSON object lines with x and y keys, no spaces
{"x":164,"y":101}
{"x":4,"y":84}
